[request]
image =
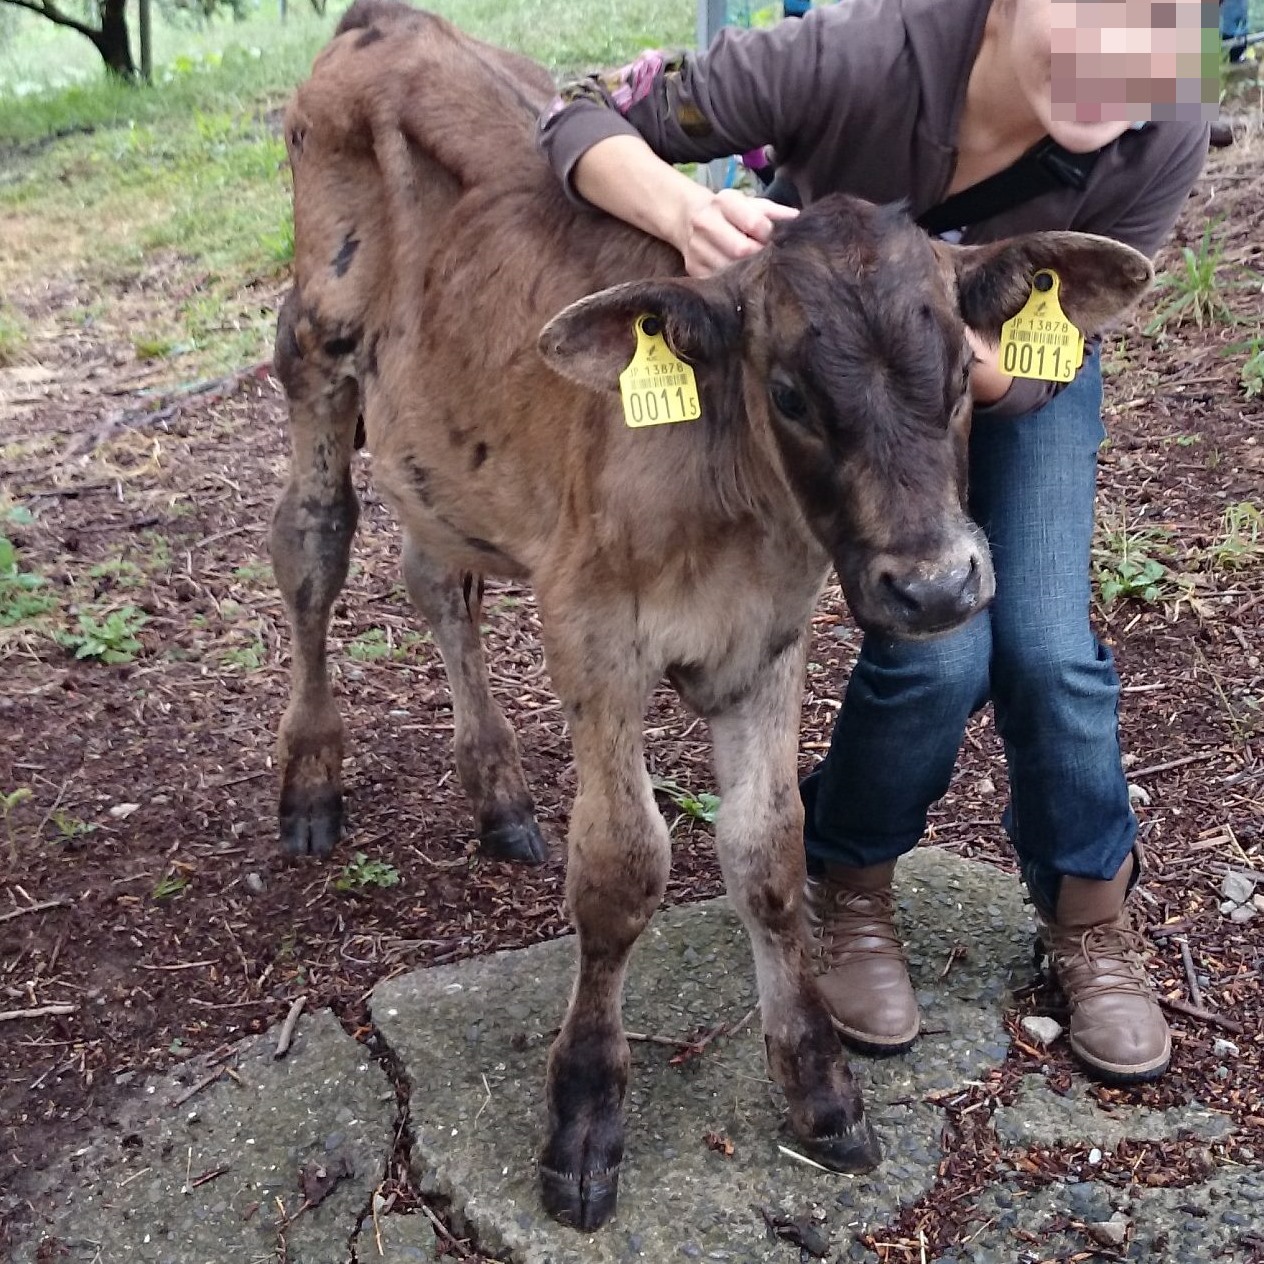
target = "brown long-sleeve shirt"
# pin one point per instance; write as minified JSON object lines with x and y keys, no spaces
{"x":866,"y":97}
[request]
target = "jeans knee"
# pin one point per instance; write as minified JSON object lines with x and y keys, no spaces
{"x":943,"y":680}
{"x":1041,"y":676}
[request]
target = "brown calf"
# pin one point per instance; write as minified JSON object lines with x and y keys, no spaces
{"x":433,"y":245}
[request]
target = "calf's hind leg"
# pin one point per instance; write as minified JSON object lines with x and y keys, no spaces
{"x":759,"y":838}
{"x":486,"y":752}
{"x":312,"y":529}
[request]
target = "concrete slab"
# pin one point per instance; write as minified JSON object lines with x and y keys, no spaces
{"x":210,"y":1181}
{"x":1210,"y":1221}
{"x":133,"y":1194}
{"x":474,"y":1038}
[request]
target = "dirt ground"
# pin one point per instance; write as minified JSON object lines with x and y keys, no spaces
{"x":140,"y":884}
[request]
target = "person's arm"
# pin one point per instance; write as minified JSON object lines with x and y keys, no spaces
{"x":612,"y":138}
{"x":624,"y":176}
{"x":989,"y":383}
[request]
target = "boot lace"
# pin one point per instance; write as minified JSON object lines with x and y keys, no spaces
{"x":1106,"y":959}
{"x":843,"y":921}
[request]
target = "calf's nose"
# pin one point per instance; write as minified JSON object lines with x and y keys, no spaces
{"x":936,"y":600}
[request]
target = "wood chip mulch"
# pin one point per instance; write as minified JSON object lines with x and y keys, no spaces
{"x":170,"y":925}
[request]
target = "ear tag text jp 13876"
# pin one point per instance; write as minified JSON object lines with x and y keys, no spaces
{"x":657,"y":387}
{"x":1040,"y":342}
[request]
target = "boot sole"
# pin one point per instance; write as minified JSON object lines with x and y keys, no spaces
{"x":865,"y":1042}
{"x":1118,"y":1073}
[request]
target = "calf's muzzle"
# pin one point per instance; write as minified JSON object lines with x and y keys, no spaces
{"x":922,"y":596}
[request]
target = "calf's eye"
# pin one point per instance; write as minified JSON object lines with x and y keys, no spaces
{"x":788,"y":401}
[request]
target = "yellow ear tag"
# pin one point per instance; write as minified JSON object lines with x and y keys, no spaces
{"x":1040,"y":342}
{"x":657,"y":387}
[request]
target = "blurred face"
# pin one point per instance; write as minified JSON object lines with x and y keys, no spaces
{"x":1091,"y":68}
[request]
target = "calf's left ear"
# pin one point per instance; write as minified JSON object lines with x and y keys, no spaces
{"x":1099,"y":278}
{"x":593,"y":341}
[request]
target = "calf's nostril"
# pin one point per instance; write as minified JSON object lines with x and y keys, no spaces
{"x":932,"y":600}
{"x":904,"y":589}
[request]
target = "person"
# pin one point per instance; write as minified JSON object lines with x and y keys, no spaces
{"x":1234,"y":26}
{"x":916,"y":100}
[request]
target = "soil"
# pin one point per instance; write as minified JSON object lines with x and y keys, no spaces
{"x":177,"y":927}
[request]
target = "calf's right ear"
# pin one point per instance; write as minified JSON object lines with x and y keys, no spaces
{"x":1098,"y":278}
{"x":593,"y":341}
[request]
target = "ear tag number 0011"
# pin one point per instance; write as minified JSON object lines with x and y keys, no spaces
{"x":657,"y":387}
{"x":1040,"y":342}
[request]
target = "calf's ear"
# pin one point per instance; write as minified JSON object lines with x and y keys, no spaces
{"x":593,"y":341}
{"x":1099,"y":278}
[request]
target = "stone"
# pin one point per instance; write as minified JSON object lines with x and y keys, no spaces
{"x":478,"y":1108}
{"x":1237,"y":887}
{"x":261,"y":1128}
{"x":1112,"y":1232}
{"x":1039,"y":1116}
{"x":1138,"y":796}
{"x":1044,"y":1031}
{"x":1222,"y":1048}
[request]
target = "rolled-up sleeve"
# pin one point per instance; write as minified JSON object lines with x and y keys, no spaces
{"x":748,"y":90}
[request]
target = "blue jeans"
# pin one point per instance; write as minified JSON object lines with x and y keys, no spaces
{"x":1052,"y":684}
{"x":1233,"y":19}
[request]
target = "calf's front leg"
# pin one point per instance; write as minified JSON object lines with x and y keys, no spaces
{"x":759,"y":838}
{"x":616,"y":872}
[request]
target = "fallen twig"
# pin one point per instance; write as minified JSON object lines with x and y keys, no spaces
{"x":1171,"y":763}
{"x":446,"y":1233}
{"x":209,"y":1176}
{"x":205,"y":1082}
{"x":287,"y":1027}
{"x":39,"y":1011}
{"x":219,"y":386}
{"x":33,"y":908}
{"x":1206,"y":1015}
{"x":1195,"y":992}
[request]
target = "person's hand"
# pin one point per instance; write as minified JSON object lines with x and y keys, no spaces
{"x":726,"y":226}
{"x":987,"y":380}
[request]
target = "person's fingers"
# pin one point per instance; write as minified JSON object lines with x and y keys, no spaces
{"x":755,"y":217}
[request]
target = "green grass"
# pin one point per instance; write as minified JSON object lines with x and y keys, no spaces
{"x":12,"y":335}
{"x":174,"y":200}
{"x":109,"y":639}
{"x":360,"y":873}
{"x":1131,"y":564}
{"x":1194,"y":287}
{"x":702,"y":806}
{"x":24,"y":596}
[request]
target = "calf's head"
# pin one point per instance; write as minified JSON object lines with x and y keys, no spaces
{"x":848,"y":333}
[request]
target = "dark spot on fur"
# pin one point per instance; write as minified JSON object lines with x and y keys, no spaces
{"x":346,"y":252}
{"x":483,"y":546}
{"x":297,"y":137}
{"x":457,"y":435}
{"x":360,"y":437}
{"x":779,"y":644}
{"x":371,"y":36}
{"x":370,"y":356}
{"x":419,"y":476}
{"x":480,"y":455}
{"x":339,"y":347}
{"x":533,"y":297}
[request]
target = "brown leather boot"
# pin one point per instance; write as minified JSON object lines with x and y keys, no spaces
{"x":860,"y":963}
{"x":1095,"y":953}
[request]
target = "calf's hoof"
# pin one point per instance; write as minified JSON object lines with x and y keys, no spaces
{"x":519,"y":841}
{"x":311,"y":823}
{"x":854,"y":1150}
{"x":585,"y":1201}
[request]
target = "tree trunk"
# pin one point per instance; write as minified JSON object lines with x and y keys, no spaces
{"x":112,"y":40}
